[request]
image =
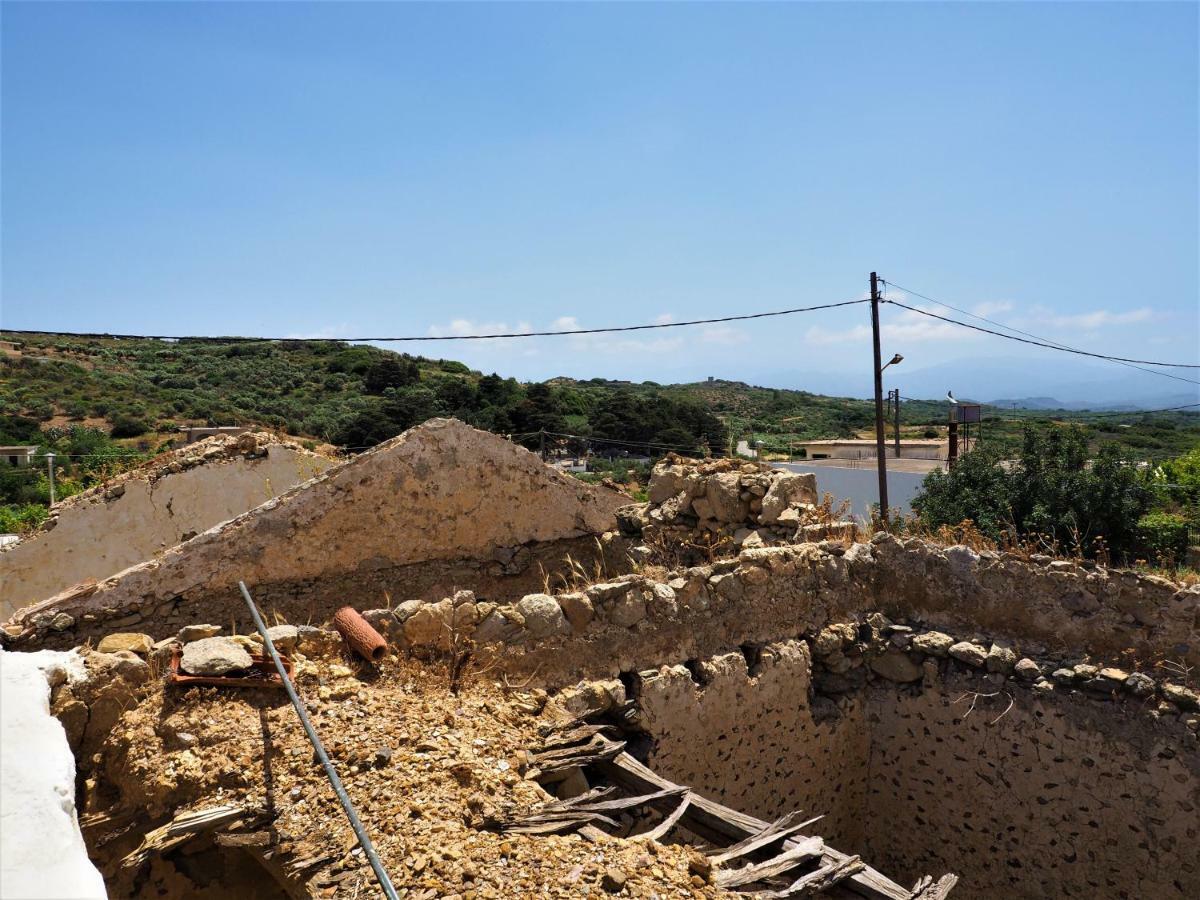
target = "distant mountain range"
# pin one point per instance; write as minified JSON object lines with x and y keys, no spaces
{"x":1030,"y":382}
{"x":1049,"y":403}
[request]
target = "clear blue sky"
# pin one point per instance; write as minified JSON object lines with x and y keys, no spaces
{"x":338,"y":169}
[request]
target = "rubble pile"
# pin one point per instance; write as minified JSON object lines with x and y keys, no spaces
{"x":430,"y":773}
{"x":740,"y":504}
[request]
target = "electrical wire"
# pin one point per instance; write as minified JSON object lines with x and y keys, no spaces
{"x":1048,"y":345}
{"x":440,"y":337}
{"x":603,"y":440}
{"x":1126,"y":363}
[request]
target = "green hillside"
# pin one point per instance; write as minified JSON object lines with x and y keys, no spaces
{"x":351,"y":396}
{"x":356,"y":396}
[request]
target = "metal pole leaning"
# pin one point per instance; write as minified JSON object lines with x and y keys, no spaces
{"x":360,"y":832}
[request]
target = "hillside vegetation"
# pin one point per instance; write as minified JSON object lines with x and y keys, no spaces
{"x":356,"y":396}
{"x":105,"y":404}
{"x":352,"y":396}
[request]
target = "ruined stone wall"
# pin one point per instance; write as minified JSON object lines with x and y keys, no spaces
{"x":130,"y":520}
{"x":1060,"y":796}
{"x":1025,"y":793}
{"x":747,"y":737}
{"x":769,"y":594}
{"x":439,"y":493}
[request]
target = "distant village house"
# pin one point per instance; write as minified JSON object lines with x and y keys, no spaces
{"x":18,"y":456}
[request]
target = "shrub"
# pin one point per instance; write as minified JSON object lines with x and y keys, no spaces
{"x":1052,"y":492}
{"x":18,"y":519}
{"x":1163,"y":535}
{"x":127,"y":426}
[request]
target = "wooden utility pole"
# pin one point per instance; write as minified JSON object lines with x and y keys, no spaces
{"x":880,"y":441}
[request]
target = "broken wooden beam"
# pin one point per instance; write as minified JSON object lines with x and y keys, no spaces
{"x":821,"y":879}
{"x":719,"y":823}
{"x":928,"y":889}
{"x":804,"y":850}
{"x":182,"y":828}
{"x":777,"y":830}
{"x":568,"y":815}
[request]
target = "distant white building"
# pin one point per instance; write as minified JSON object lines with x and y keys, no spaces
{"x":860,"y":448}
{"x":17,"y":456}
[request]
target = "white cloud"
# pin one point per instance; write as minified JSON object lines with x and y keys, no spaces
{"x":990,"y":308}
{"x":1090,"y":321}
{"x":664,"y":319}
{"x":902,"y":325}
{"x":326,"y":333}
{"x":723,"y":334}
{"x":611,"y":344}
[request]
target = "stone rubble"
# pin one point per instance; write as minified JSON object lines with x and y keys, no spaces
{"x":427,"y":769}
{"x":214,"y":656}
{"x":742,"y":504}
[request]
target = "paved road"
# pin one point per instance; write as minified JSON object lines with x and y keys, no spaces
{"x":861,"y":485}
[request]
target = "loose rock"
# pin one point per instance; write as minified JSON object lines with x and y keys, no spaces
{"x":214,"y":656}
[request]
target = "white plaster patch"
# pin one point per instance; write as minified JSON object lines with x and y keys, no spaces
{"x":44,"y":857}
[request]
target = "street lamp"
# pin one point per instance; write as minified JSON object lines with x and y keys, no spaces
{"x":894,"y":361}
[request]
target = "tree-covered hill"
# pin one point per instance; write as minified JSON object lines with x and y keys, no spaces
{"x":355,"y":396}
{"x":351,"y":396}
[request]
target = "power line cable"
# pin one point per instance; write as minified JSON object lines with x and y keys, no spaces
{"x":1126,"y":363}
{"x":440,"y":337}
{"x":1049,"y":346}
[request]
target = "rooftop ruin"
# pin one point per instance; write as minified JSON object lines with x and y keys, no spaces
{"x":718,"y":692}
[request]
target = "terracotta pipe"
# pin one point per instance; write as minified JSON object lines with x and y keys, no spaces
{"x":359,"y":635}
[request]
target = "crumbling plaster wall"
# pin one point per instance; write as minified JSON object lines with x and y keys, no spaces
{"x":1060,"y":796}
{"x":747,"y":738}
{"x":108,"y":531}
{"x":438,"y":493}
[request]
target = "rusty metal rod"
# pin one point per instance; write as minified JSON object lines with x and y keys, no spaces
{"x":360,"y":832}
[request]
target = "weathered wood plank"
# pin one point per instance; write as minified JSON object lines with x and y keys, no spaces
{"x":597,"y":749}
{"x":777,"y":830}
{"x":822,"y":879}
{"x":659,"y":831}
{"x":801,"y":852}
{"x":928,"y":889}
{"x":711,"y":819}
